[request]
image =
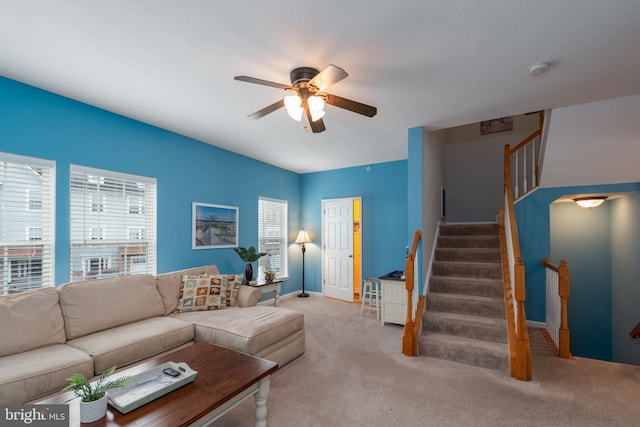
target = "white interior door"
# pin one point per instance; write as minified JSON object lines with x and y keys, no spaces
{"x":338,"y":249}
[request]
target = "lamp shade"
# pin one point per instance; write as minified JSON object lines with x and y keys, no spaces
{"x":303,"y":237}
{"x":316,"y":107}
{"x":590,"y":202}
{"x":292,"y":104}
{"x":316,"y":103}
{"x":292,"y":101}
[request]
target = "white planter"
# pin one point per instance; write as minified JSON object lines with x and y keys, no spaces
{"x":92,"y":411}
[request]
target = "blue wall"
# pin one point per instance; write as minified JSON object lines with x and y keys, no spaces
{"x":40,"y":124}
{"x":583,"y":238}
{"x":625,"y":277}
{"x":383,"y":190}
{"x":532,"y":214}
{"x":602,"y":250}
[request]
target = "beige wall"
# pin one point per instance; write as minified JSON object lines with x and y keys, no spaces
{"x":595,"y":143}
{"x":474,"y":168}
{"x":432,"y":183}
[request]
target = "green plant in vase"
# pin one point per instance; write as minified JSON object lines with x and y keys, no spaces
{"x":249,"y":256}
{"x":93,"y":403}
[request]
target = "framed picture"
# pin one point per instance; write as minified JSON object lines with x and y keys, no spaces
{"x":496,"y":125}
{"x":214,"y":226}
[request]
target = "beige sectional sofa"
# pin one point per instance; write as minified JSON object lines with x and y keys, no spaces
{"x":48,"y":334}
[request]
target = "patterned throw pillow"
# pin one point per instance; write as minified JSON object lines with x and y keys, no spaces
{"x":232,"y":283}
{"x":199,"y":293}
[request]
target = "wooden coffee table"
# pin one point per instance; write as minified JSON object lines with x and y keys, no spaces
{"x":225,"y":378}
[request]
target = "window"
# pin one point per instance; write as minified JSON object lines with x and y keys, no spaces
{"x":97,"y":202}
{"x":272,"y":236}
{"x":96,"y":233}
{"x":135,"y":233}
{"x":34,"y":200}
{"x":26,"y":229}
{"x":113,"y":224}
{"x":97,"y":266}
{"x":135,"y":205}
{"x":34,"y":233}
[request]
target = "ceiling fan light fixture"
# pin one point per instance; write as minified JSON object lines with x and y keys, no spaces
{"x":316,"y":103}
{"x":292,"y":104}
{"x":292,"y":101}
{"x":295,"y":113}
{"x":316,"y":107}
{"x":317,"y":116}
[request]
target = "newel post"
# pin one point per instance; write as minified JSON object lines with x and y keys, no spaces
{"x":563,"y":292}
{"x":409,"y":347}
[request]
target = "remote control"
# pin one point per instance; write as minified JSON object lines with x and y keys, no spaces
{"x":170,"y":371}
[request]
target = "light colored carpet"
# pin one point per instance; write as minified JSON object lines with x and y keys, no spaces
{"x":353,"y":374}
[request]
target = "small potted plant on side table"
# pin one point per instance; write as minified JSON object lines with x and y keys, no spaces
{"x":93,"y":404}
{"x":249,"y":256}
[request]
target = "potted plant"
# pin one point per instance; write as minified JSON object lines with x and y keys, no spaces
{"x":93,"y":404}
{"x":249,"y":256}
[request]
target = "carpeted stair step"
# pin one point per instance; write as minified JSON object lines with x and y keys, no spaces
{"x":485,"y":270}
{"x":470,"y":351}
{"x":468,"y":229}
{"x":467,"y":286}
{"x":468,"y":254}
{"x":482,"y":328}
{"x":466,"y":304}
{"x":469,"y":241}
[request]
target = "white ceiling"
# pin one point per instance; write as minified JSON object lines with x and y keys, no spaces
{"x":436,"y":63}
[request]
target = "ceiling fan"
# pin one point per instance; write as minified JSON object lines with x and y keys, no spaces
{"x":306,"y":94}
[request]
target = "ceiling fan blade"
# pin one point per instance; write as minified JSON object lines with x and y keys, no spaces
{"x":266,"y":110}
{"x":261,"y":82}
{"x":327,"y":77}
{"x":347,"y":104}
{"x":318,"y":125}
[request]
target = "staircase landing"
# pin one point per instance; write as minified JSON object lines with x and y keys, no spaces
{"x":464,"y":320}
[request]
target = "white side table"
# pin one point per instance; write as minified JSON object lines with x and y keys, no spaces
{"x":270,"y":287}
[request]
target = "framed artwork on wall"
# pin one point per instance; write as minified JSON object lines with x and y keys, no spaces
{"x":214,"y":226}
{"x":496,"y":125}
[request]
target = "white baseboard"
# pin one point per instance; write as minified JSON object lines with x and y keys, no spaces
{"x":293,"y":294}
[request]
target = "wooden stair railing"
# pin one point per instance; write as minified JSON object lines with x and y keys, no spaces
{"x":562,"y":337}
{"x":513,"y":264}
{"x":412,"y":324}
{"x":514,"y":276}
{"x":526,"y":162}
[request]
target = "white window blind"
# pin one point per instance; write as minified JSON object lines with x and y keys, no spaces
{"x":272,"y":236}
{"x":113,"y":223}
{"x":27,"y":201}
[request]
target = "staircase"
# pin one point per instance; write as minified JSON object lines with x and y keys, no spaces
{"x":464,"y":320}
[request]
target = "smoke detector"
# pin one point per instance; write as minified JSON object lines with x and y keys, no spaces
{"x":539,"y":69}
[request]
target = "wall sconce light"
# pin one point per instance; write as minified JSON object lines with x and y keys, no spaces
{"x":590,"y":202}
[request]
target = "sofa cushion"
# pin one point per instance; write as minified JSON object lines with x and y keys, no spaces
{"x":203,"y":292}
{"x":169,"y":285}
{"x":133,"y":342}
{"x":248,"y":329}
{"x":29,"y":320}
{"x":232,"y":283}
{"x":97,"y":305}
{"x":40,"y":372}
